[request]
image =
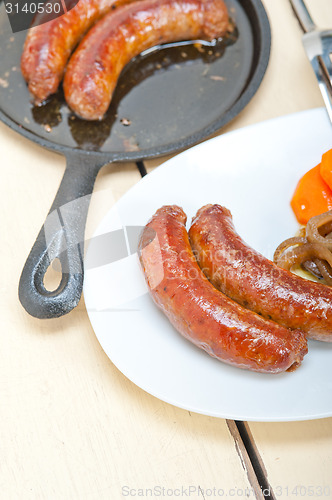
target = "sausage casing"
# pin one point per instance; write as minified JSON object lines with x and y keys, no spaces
{"x":95,"y":66}
{"x":254,"y":281}
{"x":48,"y":46}
{"x":200,"y":312}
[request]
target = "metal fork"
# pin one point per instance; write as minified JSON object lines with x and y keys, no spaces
{"x":318,"y":46}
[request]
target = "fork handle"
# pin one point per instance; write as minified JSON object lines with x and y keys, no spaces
{"x":303,"y":15}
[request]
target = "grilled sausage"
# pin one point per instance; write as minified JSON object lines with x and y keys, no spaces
{"x":95,"y":66}
{"x":201,"y":313}
{"x":254,"y":281}
{"x":48,"y":46}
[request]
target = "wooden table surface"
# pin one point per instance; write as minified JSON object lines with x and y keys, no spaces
{"x":72,"y":426}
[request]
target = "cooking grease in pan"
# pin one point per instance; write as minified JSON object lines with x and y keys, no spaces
{"x":172,"y":92}
{"x":154,"y":64}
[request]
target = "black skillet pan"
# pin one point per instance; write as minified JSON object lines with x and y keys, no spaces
{"x":165,"y":101}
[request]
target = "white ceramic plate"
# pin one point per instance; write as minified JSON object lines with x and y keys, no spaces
{"x":253,"y":172}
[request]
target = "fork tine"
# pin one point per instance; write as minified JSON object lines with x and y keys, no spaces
{"x":327,"y":53}
{"x":318,"y":46}
{"x":324,"y":83}
{"x":327,"y":66}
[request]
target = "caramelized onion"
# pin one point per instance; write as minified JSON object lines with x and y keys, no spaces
{"x":313,"y":234}
{"x":312,"y":249}
{"x":325,"y":270}
{"x":302,"y":253}
{"x":311,"y":267}
{"x":285,"y":245}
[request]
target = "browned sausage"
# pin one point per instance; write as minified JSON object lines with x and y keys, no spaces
{"x":201,"y":313}
{"x":95,"y":67}
{"x":47,"y":47}
{"x":254,"y":281}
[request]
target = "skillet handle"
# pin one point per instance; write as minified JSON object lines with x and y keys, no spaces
{"x":62,"y":237}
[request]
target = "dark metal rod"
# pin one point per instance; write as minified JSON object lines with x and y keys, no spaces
{"x":255,"y":460}
{"x":141,"y":168}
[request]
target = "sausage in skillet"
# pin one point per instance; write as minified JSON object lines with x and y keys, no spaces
{"x":48,"y":46}
{"x":95,"y":66}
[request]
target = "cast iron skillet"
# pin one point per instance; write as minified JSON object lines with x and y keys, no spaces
{"x":165,"y":102}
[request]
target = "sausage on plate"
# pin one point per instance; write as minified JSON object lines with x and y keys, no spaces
{"x":254,"y":281}
{"x":202,"y":314}
{"x":48,"y":46}
{"x":95,"y":66}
